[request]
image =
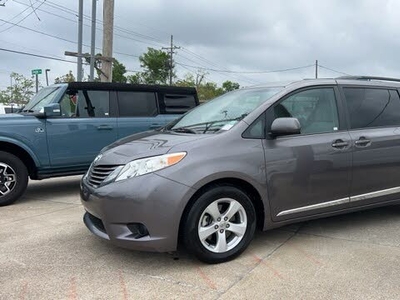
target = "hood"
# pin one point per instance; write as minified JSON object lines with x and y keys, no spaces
{"x":145,"y":144}
{"x":10,"y":116}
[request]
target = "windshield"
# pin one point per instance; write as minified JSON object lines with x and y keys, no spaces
{"x":223,"y":112}
{"x":41,"y":99}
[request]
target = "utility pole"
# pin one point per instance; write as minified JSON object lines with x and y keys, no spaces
{"x":108,"y":29}
{"x":93,"y":43}
{"x":316,"y":68}
{"x":37,"y":83}
{"x":171,"y":59}
{"x":80,"y":36}
{"x":47,"y":76}
{"x":11,"y":91}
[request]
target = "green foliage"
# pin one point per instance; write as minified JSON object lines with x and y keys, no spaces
{"x":156,"y":66}
{"x":118,"y":72}
{"x":229,"y":86}
{"x":206,"y":90}
{"x":69,"y":77}
{"x":187,"y":81}
{"x":21,"y":91}
{"x":135,"y":78}
{"x":209,"y":90}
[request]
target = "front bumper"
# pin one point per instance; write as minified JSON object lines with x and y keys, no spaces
{"x":141,"y":213}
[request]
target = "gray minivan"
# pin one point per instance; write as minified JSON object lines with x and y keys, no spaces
{"x":258,"y":157}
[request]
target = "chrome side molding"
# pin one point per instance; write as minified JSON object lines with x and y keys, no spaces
{"x":360,"y":197}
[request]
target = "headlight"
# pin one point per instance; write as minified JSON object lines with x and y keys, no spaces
{"x":150,"y":164}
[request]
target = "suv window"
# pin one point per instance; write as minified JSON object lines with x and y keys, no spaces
{"x":369,"y":107}
{"x":137,"y":104}
{"x":85,"y":104}
{"x":177,"y":104}
{"x":315,"y":109}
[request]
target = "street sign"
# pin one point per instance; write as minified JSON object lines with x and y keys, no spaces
{"x":37,"y":72}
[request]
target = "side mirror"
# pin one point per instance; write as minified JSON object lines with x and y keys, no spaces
{"x":285,"y":126}
{"x":52,"y":110}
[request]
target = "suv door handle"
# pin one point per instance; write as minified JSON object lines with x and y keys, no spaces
{"x":340,"y":144}
{"x":362,"y":142}
{"x":104,"y":127}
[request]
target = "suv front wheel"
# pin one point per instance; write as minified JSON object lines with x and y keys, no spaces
{"x":13,"y":178}
{"x":220,"y":224}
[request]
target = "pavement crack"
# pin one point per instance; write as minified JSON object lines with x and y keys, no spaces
{"x":258,"y":263}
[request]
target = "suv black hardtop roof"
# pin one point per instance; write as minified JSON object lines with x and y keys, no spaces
{"x":131,"y":87}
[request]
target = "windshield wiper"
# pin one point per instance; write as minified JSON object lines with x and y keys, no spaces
{"x":184,"y":130}
{"x":207,"y":124}
{"x":28,"y":110}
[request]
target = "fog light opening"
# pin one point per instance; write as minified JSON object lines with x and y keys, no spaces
{"x":138,"y":230}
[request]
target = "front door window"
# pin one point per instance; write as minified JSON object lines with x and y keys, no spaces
{"x":315,"y":109}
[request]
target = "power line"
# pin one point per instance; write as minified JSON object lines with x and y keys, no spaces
{"x":321,"y":66}
{"x":117,"y":28}
{"x":30,"y":1}
{"x":23,"y":48}
{"x":251,"y":72}
{"x":37,"y":31}
{"x":37,"y":55}
{"x":202,"y":67}
{"x":33,"y":11}
{"x":16,"y":16}
{"x":215,"y":65}
{"x":223,"y":75}
{"x":71,"y":11}
{"x":99,"y":22}
{"x":62,"y":39}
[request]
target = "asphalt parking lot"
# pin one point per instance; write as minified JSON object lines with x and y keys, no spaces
{"x":47,"y":253}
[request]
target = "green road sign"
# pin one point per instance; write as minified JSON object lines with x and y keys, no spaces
{"x":37,"y":72}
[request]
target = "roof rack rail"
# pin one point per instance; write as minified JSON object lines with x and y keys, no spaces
{"x":369,"y":78}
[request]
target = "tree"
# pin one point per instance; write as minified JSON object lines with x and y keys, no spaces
{"x":69,"y":77}
{"x":135,"y":78}
{"x":20,"y":92}
{"x":190,"y":81}
{"x":118,"y":71}
{"x":209,"y":90}
{"x":156,"y":66}
{"x":205,"y":90}
{"x":229,"y":86}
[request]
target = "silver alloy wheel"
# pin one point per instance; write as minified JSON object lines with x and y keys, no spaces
{"x":222,"y":225}
{"x":8,"y":179}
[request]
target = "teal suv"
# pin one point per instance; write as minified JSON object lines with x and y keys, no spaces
{"x":62,"y":129}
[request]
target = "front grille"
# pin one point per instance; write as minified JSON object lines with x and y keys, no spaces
{"x":97,"y":174}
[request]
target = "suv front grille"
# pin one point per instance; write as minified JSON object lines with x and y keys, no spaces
{"x":97,"y":174}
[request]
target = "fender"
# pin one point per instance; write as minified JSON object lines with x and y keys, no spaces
{"x":23,"y":146}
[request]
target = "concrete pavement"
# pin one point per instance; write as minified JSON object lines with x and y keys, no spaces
{"x":47,"y":253}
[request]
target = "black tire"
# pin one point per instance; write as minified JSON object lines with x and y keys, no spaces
{"x":209,"y":250}
{"x":11,"y":189}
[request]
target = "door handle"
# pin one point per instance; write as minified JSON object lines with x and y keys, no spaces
{"x":104,"y":127}
{"x":340,"y":144}
{"x":362,"y":142}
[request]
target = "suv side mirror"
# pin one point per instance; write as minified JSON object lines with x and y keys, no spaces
{"x":285,"y":126}
{"x":52,"y":110}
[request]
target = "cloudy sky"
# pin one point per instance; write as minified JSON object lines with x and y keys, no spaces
{"x":229,"y":39}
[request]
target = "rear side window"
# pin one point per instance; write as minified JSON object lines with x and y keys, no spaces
{"x":137,"y":104}
{"x":178,"y":104}
{"x":372,"y":107}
